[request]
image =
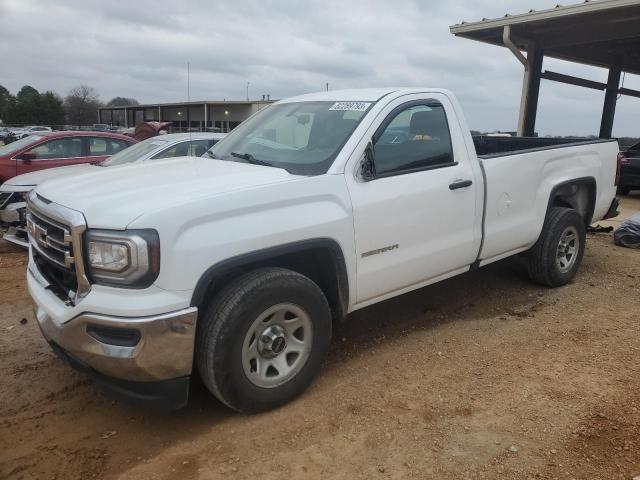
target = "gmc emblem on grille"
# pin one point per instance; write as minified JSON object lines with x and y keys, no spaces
{"x":38,"y":233}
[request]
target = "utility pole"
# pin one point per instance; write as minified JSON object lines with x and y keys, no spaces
{"x":188,"y":100}
{"x":327,"y":84}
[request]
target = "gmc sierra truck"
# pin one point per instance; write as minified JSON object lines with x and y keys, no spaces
{"x":236,"y":264}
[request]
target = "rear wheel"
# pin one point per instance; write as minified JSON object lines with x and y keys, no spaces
{"x":263,"y":338}
{"x":556,"y":256}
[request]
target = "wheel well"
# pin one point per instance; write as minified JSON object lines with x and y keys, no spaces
{"x":579,"y":195}
{"x":321,"y":261}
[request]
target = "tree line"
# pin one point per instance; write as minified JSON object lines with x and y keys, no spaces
{"x":30,"y":107}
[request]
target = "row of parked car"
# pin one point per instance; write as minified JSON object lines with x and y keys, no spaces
{"x":10,"y":134}
{"x":45,"y":155}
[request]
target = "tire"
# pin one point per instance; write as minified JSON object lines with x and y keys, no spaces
{"x":624,"y":191}
{"x":546,"y":264}
{"x":239,"y":317}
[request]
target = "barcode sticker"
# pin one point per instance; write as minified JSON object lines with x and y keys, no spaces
{"x":351,"y":106}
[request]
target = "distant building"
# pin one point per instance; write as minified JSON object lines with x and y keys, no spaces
{"x":213,"y":115}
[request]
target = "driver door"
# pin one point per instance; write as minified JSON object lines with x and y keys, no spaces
{"x":416,"y":218}
{"x":54,"y":153}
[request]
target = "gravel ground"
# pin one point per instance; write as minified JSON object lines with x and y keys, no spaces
{"x":482,"y":376}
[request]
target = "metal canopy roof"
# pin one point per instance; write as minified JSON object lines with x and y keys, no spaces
{"x":602,"y":33}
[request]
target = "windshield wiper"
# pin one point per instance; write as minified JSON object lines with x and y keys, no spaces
{"x":208,"y":154}
{"x":250,"y":159}
{"x":247,"y":157}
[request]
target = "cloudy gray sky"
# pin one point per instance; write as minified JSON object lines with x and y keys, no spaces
{"x":286,"y":47}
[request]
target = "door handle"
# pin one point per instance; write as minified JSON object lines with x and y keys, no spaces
{"x":460,"y":184}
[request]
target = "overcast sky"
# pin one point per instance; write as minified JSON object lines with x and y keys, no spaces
{"x":140,"y":49}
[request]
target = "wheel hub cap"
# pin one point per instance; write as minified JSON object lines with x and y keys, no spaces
{"x":567,"y":251}
{"x":277,"y":345}
{"x":273,"y":340}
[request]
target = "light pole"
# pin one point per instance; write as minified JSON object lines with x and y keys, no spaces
{"x":248,"y":91}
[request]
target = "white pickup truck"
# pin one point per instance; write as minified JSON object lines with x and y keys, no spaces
{"x":235,"y":264}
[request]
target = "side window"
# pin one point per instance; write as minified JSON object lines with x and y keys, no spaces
{"x":98,"y":147}
{"x":416,"y":138}
{"x":104,"y":146}
{"x":61,"y":148}
{"x":194,"y":148}
{"x":116,"y":145}
{"x":198,"y":147}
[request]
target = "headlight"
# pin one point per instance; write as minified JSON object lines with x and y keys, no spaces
{"x":112,"y":257}
{"x":129,"y":258}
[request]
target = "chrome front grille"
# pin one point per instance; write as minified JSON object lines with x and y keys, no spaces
{"x":51,"y":240}
{"x":55,"y":236}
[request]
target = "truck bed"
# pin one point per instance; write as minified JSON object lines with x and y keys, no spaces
{"x":490,"y":147}
{"x":519,"y":182}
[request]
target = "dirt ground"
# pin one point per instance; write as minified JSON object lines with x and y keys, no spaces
{"x":482,"y":376}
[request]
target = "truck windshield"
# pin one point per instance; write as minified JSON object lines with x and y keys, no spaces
{"x":133,"y":153}
{"x":303,"y":138}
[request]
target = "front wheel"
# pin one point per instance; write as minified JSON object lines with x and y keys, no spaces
{"x":555,"y":257}
{"x":262,"y":340}
{"x":624,"y":191}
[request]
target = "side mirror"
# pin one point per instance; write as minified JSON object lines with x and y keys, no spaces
{"x":368,"y":167}
{"x":28,"y":156}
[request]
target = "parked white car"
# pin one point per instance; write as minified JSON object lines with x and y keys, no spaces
{"x":26,"y":131}
{"x":16,"y":132}
{"x":13,"y":191}
{"x":316,"y":206}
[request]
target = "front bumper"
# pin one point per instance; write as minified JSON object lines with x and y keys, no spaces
{"x":169,"y":394}
{"x":146,"y":358}
{"x":143,"y":349}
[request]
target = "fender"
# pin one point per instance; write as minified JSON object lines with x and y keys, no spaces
{"x":221,"y":269}
{"x":590,"y":182}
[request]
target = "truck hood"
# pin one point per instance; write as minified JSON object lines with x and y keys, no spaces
{"x":36,"y":178}
{"x":113,"y":197}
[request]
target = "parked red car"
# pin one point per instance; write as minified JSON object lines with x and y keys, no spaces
{"x":57,"y":149}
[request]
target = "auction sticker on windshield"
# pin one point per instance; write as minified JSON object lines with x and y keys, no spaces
{"x":351,"y":106}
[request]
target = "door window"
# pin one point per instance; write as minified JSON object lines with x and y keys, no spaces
{"x":104,"y":146}
{"x":61,"y":148}
{"x":116,"y":146}
{"x":194,"y":148}
{"x":97,"y":146}
{"x":416,"y":138}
